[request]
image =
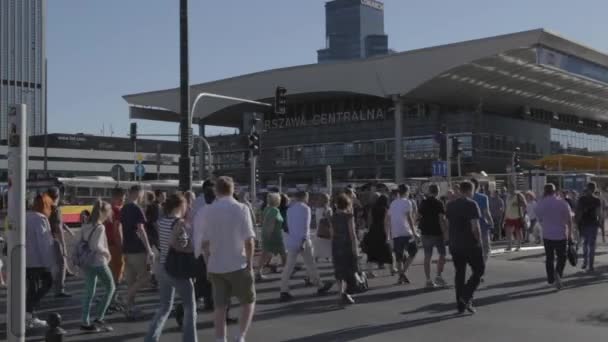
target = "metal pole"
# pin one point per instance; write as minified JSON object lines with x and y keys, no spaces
{"x":329,"y":183}
{"x":448,"y":157}
{"x":17,"y":171}
{"x":459,"y":161}
{"x":185,"y":162}
{"x":280,"y":182}
{"x":252,"y":186}
{"x":46,"y":130}
{"x":398,"y":140}
{"x":158,"y":161}
{"x":201,"y":153}
{"x":134,"y":160}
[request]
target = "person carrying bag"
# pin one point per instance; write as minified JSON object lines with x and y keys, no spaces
{"x":175,"y":272}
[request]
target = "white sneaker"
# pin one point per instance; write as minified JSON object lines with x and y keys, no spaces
{"x":35,"y":323}
{"x":430,"y":284}
{"x":440,"y":281}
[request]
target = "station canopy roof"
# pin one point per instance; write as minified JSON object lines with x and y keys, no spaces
{"x":533,"y":68}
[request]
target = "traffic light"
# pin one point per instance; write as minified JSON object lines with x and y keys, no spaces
{"x":280,"y":101}
{"x":254,"y":143}
{"x":456,"y":147}
{"x":441,"y":138}
{"x":133,"y":133}
{"x":517,"y":161}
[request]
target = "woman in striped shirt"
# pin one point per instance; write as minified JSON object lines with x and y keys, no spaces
{"x":172,"y":233}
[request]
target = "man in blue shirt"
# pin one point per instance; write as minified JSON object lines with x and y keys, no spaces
{"x":486,"y":223}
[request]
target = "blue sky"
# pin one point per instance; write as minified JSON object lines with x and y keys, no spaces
{"x":101,"y":50}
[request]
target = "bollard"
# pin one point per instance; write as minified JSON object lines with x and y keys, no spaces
{"x":55,"y":332}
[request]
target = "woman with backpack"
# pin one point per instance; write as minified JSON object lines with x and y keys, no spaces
{"x":96,"y":267}
{"x":174,"y":236}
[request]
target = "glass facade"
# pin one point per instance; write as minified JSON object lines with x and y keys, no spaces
{"x":354,"y":29}
{"x":570,"y":142}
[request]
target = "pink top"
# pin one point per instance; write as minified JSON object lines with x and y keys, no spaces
{"x":554,"y":216}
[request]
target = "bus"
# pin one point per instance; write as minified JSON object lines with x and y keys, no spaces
{"x":78,"y":193}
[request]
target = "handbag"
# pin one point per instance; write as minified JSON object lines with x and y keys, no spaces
{"x":179,"y":264}
{"x":572,"y":253}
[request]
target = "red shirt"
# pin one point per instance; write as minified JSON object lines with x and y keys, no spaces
{"x":111,"y":232}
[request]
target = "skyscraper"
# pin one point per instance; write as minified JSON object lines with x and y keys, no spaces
{"x":354,"y":30}
{"x":23,"y":61}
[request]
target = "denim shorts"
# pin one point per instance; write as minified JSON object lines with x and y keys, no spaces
{"x":404,"y":244}
{"x":429,"y":242}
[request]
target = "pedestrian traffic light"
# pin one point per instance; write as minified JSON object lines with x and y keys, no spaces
{"x":517,"y":161}
{"x":456,"y":147}
{"x":133,"y":133}
{"x":254,"y":143}
{"x":280,"y":101}
{"x":257,"y":176}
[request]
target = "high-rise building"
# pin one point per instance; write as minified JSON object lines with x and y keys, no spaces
{"x":23,"y":61}
{"x":354,"y":30}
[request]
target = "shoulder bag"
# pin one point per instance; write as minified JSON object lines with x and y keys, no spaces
{"x":180,"y":264}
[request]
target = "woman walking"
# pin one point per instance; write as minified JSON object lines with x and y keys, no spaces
{"x":374,"y":243}
{"x":272,"y":233}
{"x":94,"y":234}
{"x":38,"y":258}
{"x":323,"y":238}
{"x":344,"y":246}
{"x":173,"y":233}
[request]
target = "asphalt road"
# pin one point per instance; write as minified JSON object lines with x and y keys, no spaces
{"x":514,"y":303}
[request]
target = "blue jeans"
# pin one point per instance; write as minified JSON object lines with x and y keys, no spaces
{"x":589,"y":234}
{"x":167,"y":286}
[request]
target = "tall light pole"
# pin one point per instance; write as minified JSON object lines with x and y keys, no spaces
{"x":185,"y":128}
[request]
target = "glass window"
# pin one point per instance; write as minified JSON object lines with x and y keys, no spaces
{"x":83,"y":192}
{"x":98,"y":192}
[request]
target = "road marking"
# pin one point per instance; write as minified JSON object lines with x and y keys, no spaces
{"x":523,"y":249}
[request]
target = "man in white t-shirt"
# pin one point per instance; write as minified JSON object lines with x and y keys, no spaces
{"x":228,"y":241}
{"x":400,"y":231}
{"x":297,"y":242}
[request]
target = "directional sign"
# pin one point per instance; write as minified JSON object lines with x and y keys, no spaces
{"x":440,"y":168}
{"x":140,"y":170}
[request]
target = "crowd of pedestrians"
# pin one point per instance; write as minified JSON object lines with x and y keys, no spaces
{"x":203,"y":248}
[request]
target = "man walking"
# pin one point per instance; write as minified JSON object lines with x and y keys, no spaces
{"x":202,"y":286}
{"x":433,"y":228}
{"x":114,"y":237}
{"x":136,"y":248}
{"x":228,"y":242}
{"x":589,"y":220}
{"x":497,"y":210}
{"x":400,"y":228}
{"x":465,"y":246}
{"x":298,"y":242}
{"x":555,"y":218}
{"x":485,"y":221}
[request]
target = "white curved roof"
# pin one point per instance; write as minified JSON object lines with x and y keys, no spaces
{"x":501,"y":69}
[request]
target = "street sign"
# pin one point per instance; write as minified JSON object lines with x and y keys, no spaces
{"x":440,"y":168}
{"x":140,"y":170}
{"x":118,"y":172}
{"x":140,"y":157}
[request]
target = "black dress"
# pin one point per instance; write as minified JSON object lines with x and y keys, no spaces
{"x":344,"y":260}
{"x":374,"y":242}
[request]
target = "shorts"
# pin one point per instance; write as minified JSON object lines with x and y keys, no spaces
{"x":117,"y":263}
{"x":136,"y":268}
{"x":517,"y":224}
{"x":430,"y":241}
{"x":239,"y":284}
{"x":401,"y":245}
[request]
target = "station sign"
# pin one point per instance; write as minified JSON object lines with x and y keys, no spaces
{"x":325,"y":119}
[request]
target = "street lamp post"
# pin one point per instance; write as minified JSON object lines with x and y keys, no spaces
{"x":185,"y":129}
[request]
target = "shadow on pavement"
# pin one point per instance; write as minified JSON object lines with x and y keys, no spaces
{"x":370,"y":330}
